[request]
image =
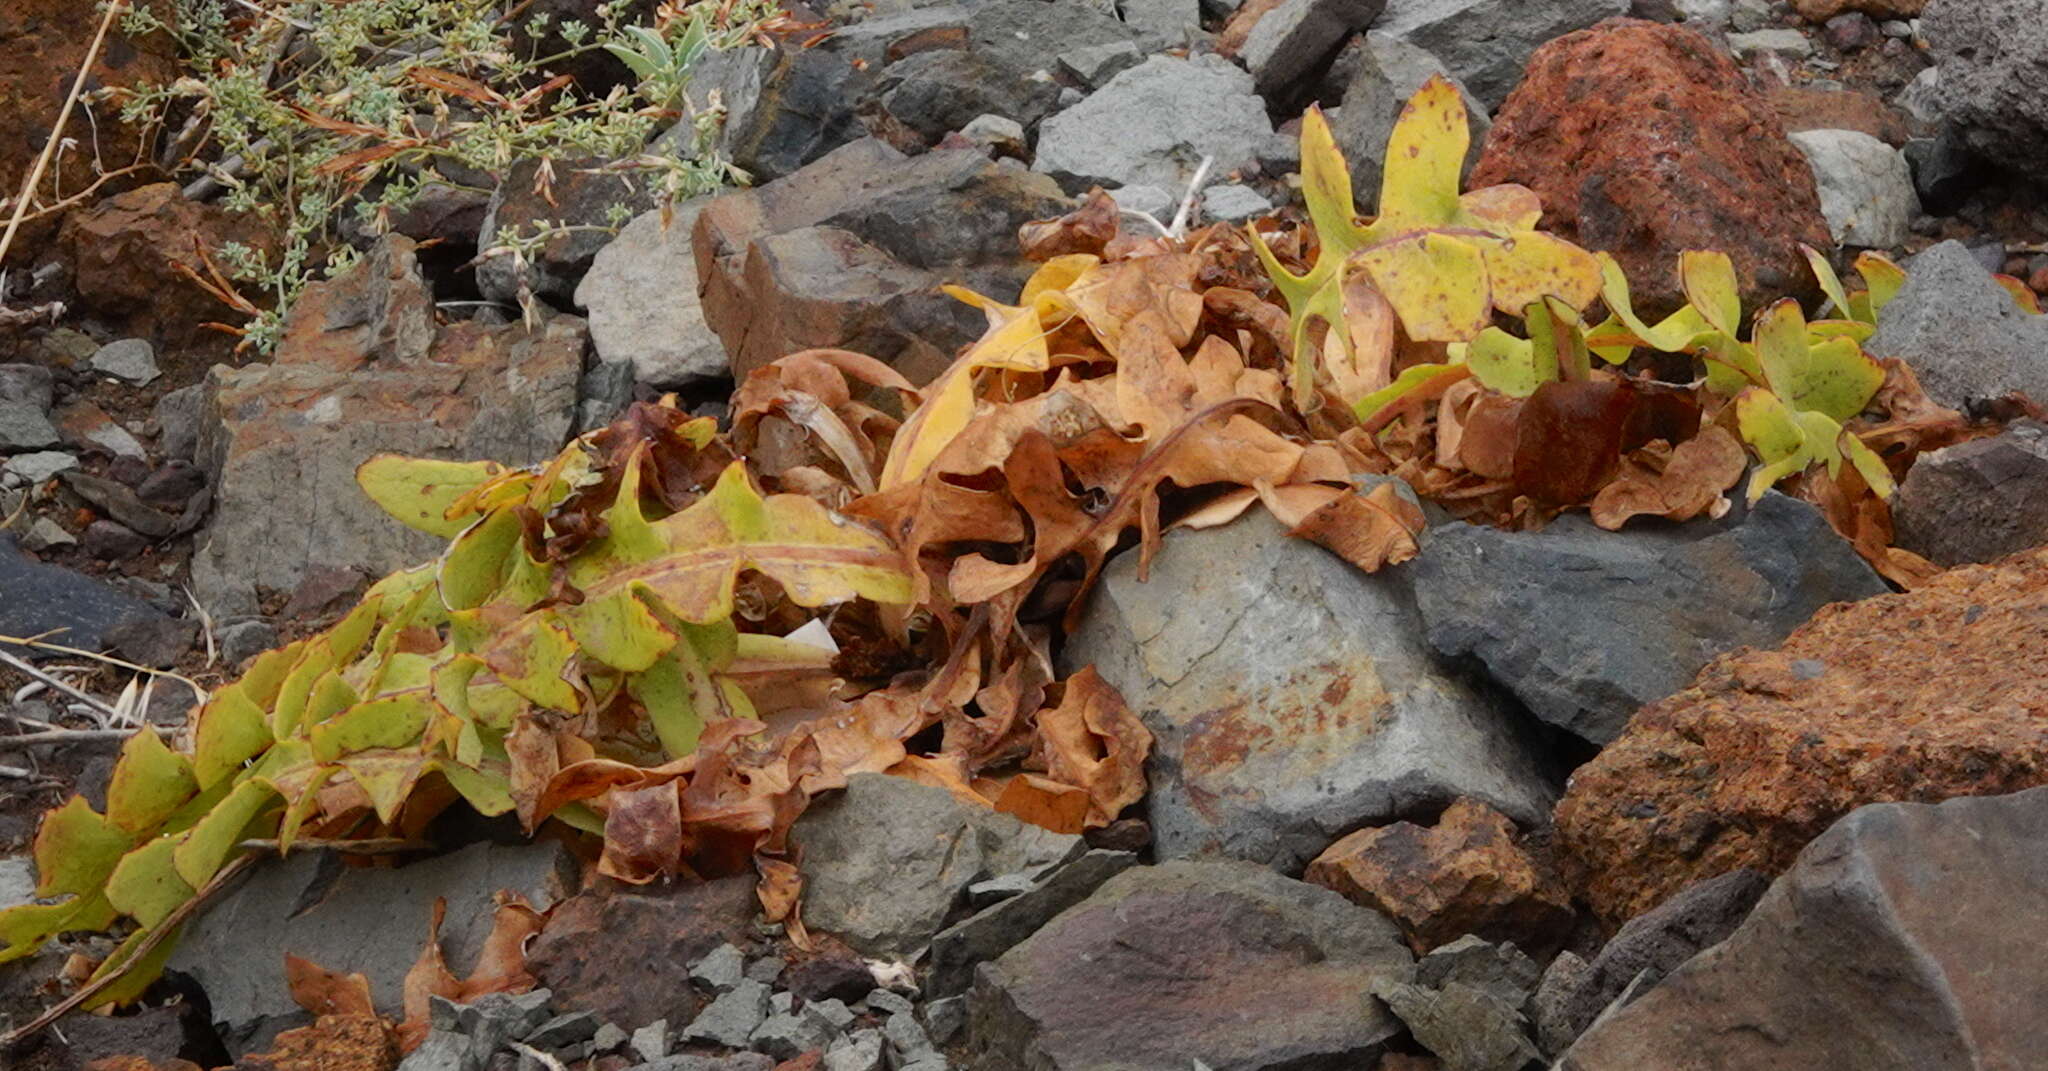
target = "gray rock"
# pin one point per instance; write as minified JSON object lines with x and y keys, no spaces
{"x":177,"y":418}
{"x":1748,"y":16}
{"x":731,"y":1019}
{"x":780,"y":1003}
{"x":570,"y":216}
{"x":131,"y":360}
{"x":609,"y":1037}
{"x":1892,"y":942}
{"x":1645,"y":608}
{"x":788,"y":1035}
{"x":1337,"y":716}
{"x":26,"y":391}
{"x":1779,"y":40}
{"x":33,"y":468}
{"x":641,"y":297}
{"x":690,"y":1061}
{"x":887,"y":1002}
{"x":1921,"y":99}
{"x":244,"y":640}
{"x":1002,"y":887}
{"x":1151,"y":125}
{"x":833,"y":1013}
{"x":1390,"y":71}
{"x":354,"y":920}
{"x":81,"y":610}
{"x":1961,"y":331}
{"x":1165,"y":23}
{"x":1556,"y":1006}
{"x":1977,"y":501}
{"x":650,"y":1042}
{"x":1226,"y":963}
{"x":562,"y":1031}
{"x":1993,"y":59}
{"x":766,"y":969}
{"x":1944,"y":171}
{"x":17,"y":881}
{"x":1866,"y":189}
{"x":1704,"y":14}
{"x":859,"y":1051}
{"x":996,"y":929}
{"x":908,"y":1043}
{"x":603,"y":392}
{"x":887,"y":860}
{"x":1148,"y":200}
{"x":444,"y":1050}
{"x":1468,"y":1029}
{"x":1094,"y":65}
{"x":937,"y":92}
{"x":784,"y":107}
{"x":45,"y":534}
{"x":1499,"y":969}
{"x":496,"y":1019}
{"x":945,"y":1018}
{"x":998,"y":135}
{"x":720,"y":969}
{"x":1233,"y":203}
{"x":1486,"y":43}
{"x":1296,"y":39}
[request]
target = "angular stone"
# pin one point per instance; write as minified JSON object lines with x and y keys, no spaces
{"x":130,"y":360}
{"x":1487,"y":43}
{"x":829,"y":978}
{"x":732,"y":1018}
{"x":994,"y":930}
{"x":1923,"y":696}
{"x":1890,"y":943}
{"x":1645,"y":140}
{"x":1989,"y":53}
{"x":1819,"y":11}
{"x":1803,"y":108}
{"x":1297,"y":38}
{"x":1645,"y":607}
{"x":1389,"y":72}
{"x":640,"y":296}
{"x":37,"y":468}
{"x":1094,"y":65}
{"x":1465,"y":875}
{"x":1775,"y":40}
{"x":1225,"y":963}
{"x":121,"y":251}
{"x":784,"y":107}
{"x":1866,"y":189}
{"x":719,"y":969}
{"x":1291,"y":698}
{"x":1469,"y":1029}
{"x":624,"y":955}
{"x":1556,"y":1008}
{"x":1232,"y":203}
{"x":1165,"y":23}
{"x":26,"y":391}
{"x":77,"y":609}
{"x":1961,"y":332}
{"x":574,"y":204}
{"x":362,"y":370}
{"x":858,"y":1051}
{"x":45,"y":534}
{"x":1151,"y":125}
{"x":88,"y":427}
{"x":935,"y":93}
{"x":1976,"y":501}
{"x":1499,"y":969}
{"x":788,"y":1035}
{"x":887,"y":860}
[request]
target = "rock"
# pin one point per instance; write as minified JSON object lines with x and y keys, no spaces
{"x":945,"y":1018}
{"x":1644,"y":952}
{"x":1165,"y":23}
{"x":719,"y":969}
{"x":997,"y":135}
{"x":88,"y":427}
{"x":1094,"y":65}
{"x":833,"y":1013}
{"x":111,"y":541}
{"x":1786,"y":42}
{"x":908,"y":1045}
{"x":623,"y":956}
{"x":1961,"y":331}
{"x":851,"y":251}
{"x":1556,"y":1008}
{"x":1465,"y":875}
{"x":562,"y":1031}
{"x":732,"y":1018}
{"x":131,"y":360}
{"x":1147,"y":200}
{"x":1645,"y":140}
{"x":17,"y":881}
{"x":363,"y":370}
{"x":1234,"y":203}
{"x":935,"y":93}
{"x":1804,"y":108}
{"x":1221,"y":962}
{"x":353,"y":920}
{"x":650,"y":1042}
{"x":1487,"y":43}
{"x":1886,"y":945}
{"x":1851,"y":32}
{"x":1499,"y":969}
{"x":791,"y":1034}
{"x":1646,"y":607}
{"x":1298,"y":38}
{"x":577,"y":203}
{"x":1866,"y":189}
{"x":1749,"y":16}
{"x":122,"y":249}
{"x":1339,"y":717}
{"x":172,"y":486}
{"x":26,"y":391}
{"x":887,"y":860}
{"x":885,"y":1002}
{"x":858,"y":1051}
{"x":784,"y":107}
{"x":1977,"y":501}
{"x":1863,"y":704}
{"x":37,"y":468}
{"x":177,"y":417}
{"x":1944,"y":172}
{"x":1390,"y":71}
{"x":1708,"y":14}
{"x":78,"y":610}
{"x":1989,"y":53}
{"x":1469,"y":1029}
{"x":829,"y":978}
{"x":1152,"y":124}
{"x":996,"y":929}
{"x":641,"y":299}
{"x":1818,"y":11}
{"x":44,"y":535}
{"x":1921,"y":98}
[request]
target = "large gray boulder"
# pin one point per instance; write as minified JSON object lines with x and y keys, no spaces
{"x":1901,"y":940}
{"x":1298,"y":38}
{"x":641,"y":300}
{"x":1977,"y":501}
{"x":1993,"y":58}
{"x":1291,"y":698}
{"x":1866,"y":189}
{"x":1961,"y":331}
{"x":1390,"y":71}
{"x":1585,"y":625}
{"x":1151,"y":125}
{"x":1221,"y":964}
{"x":1486,"y":43}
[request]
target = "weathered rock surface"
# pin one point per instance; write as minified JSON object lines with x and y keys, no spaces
{"x":1297,"y":38}
{"x":80,"y":610}
{"x":1993,"y":59}
{"x":997,"y":928}
{"x":1152,"y":124}
{"x":1804,"y":108}
{"x":1866,"y":189}
{"x":573,"y":197}
{"x":1977,"y":501}
{"x":784,"y":107}
{"x":26,"y":393}
{"x":887,"y":860}
{"x":1961,"y":331}
{"x":1464,"y":875}
{"x":1469,"y":1029}
{"x":1390,"y":71}
{"x":1920,"y":697}
{"x":1819,"y":11}
{"x":1585,"y":625}
{"x":362,"y":370}
{"x":1225,"y":963}
{"x":640,"y":296}
{"x":851,"y":251}
{"x":1290,"y":697}
{"x":1487,"y":43}
{"x":121,"y":252}
{"x":1645,"y":140}
{"x":1890,"y":944}
{"x":625,"y":955}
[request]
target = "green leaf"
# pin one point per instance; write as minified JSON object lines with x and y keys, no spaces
{"x":150,"y":783}
{"x":1425,"y":159}
{"x":1711,"y":285}
{"x":202,"y":850}
{"x":1409,"y":381}
{"x":138,"y":970}
{"x":146,"y":886}
{"x":24,"y":928}
{"x":1429,"y":279}
{"x":380,"y":723}
{"x":680,"y":691}
{"x":1510,"y":365}
{"x":479,"y":562}
{"x":75,"y":850}
{"x":418,"y":492}
{"x":1830,"y":283}
{"x":387,"y":777}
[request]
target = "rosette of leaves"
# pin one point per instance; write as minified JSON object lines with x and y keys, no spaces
{"x":586,"y":606}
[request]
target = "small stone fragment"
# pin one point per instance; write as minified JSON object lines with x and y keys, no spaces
{"x":1469,"y":1029}
{"x":888,"y":1003}
{"x":720,"y":969}
{"x":766,"y":970}
{"x":858,"y":1051}
{"x":833,"y":1013}
{"x":650,"y":1042}
{"x":1234,"y":203}
{"x":829,"y":978}
{"x":244,"y":640}
{"x":788,"y":1035}
{"x":131,"y":360}
{"x":1499,"y":969}
{"x":945,"y":1018}
{"x":32,"y":469}
{"x":730,"y":1020}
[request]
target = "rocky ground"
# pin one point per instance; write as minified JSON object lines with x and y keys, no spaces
{"x":1700,"y":795}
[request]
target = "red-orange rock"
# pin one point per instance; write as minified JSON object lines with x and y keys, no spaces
{"x":1902,"y":698}
{"x":1645,"y":140}
{"x":1803,"y":108}
{"x":1464,"y":875}
{"x":123,"y":251}
{"x":1819,"y":11}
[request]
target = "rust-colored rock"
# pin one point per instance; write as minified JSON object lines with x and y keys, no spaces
{"x":1819,"y":11}
{"x":123,"y":251}
{"x":1464,"y":875}
{"x":1902,"y":698}
{"x":1645,"y":140}
{"x":332,"y":1043}
{"x":624,"y":955}
{"x":1802,"y":108}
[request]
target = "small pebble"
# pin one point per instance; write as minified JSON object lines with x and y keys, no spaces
{"x":131,"y":360}
{"x":888,"y":1003}
{"x":720,"y":969}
